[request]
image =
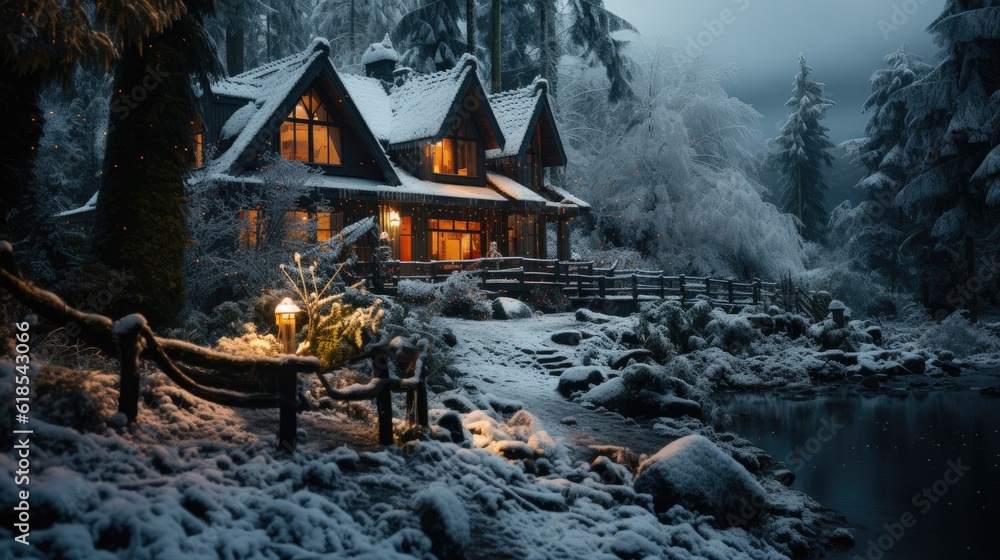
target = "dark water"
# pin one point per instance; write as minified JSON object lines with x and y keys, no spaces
{"x":885,"y":453}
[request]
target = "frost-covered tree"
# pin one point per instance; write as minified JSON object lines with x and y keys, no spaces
{"x":139,"y":224}
{"x":244,"y":254}
{"x":44,"y":41}
{"x":351,"y":25}
{"x":668,"y":173}
{"x":873,"y":232}
{"x":801,"y":152}
{"x":429,"y":37}
{"x":953,"y":115}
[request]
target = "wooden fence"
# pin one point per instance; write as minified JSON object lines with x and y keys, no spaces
{"x":219,"y":377}
{"x":581,"y":280}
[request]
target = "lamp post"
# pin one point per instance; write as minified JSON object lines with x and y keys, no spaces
{"x":284,"y":316}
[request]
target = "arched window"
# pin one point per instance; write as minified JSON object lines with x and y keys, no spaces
{"x":309,"y":133}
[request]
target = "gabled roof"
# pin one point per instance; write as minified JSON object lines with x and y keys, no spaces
{"x":518,"y":111}
{"x":271,"y":92}
{"x":422,"y":108}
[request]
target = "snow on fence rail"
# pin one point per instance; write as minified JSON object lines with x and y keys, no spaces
{"x":220,"y":377}
{"x":578,"y":279}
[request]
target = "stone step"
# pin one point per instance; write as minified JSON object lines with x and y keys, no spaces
{"x":551,"y":359}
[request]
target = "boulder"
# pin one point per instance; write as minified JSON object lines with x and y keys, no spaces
{"x":568,"y":338}
{"x":619,"y":361}
{"x":506,"y":308}
{"x":451,"y":423}
{"x":693,"y":472}
{"x":875,"y":333}
{"x":588,"y":316}
{"x":580,"y":378}
{"x":444,"y":520}
{"x":610,"y":471}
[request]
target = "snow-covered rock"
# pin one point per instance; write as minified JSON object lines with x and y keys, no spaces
{"x":694,"y":473}
{"x":510,"y":308}
{"x":443,"y":518}
{"x":568,"y":338}
{"x":580,"y":378}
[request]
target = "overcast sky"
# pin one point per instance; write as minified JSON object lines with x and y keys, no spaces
{"x":842,"y":40}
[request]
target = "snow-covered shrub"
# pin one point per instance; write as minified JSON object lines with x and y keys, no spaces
{"x":81,"y":400}
{"x":960,"y":337}
{"x":444,"y":520}
{"x":861,"y":291}
{"x":250,"y":343}
{"x":415,"y":292}
{"x":733,"y":333}
{"x":669,"y":327}
{"x":342,"y":332}
{"x":461,"y":296}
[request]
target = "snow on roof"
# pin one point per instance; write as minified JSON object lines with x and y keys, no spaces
{"x":513,"y":189}
{"x":238,"y":121}
{"x":373,"y":103}
{"x":413,"y":111}
{"x":266,"y":87}
{"x":89,"y":206}
{"x":378,"y":52}
{"x":513,"y":110}
{"x":421,"y":105}
{"x":564,"y":198}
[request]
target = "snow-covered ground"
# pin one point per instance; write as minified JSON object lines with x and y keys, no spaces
{"x":530,"y":455}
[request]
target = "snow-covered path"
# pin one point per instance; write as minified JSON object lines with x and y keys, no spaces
{"x":491,"y":354}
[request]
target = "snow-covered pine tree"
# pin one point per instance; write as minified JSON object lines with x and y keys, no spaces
{"x":591,"y":29}
{"x":875,"y":230}
{"x":351,"y":25}
{"x":429,"y":37}
{"x":801,"y":152}
{"x":954,"y":120}
{"x":139,"y":223}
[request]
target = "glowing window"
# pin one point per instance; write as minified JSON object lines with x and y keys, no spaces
{"x":309,"y":133}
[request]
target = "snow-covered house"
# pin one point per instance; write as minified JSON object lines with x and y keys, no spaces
{"x":446,"y":168}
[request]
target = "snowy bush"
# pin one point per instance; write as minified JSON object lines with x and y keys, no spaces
{"x":960,"y":337}
{"x":81,"y":400}
{"x":733,"y":333}
{"x":548,"y":299}
{"x":342,"y":332}
{"x":415,"y":292}
{"x":459,"y":295}
{"x":250,"y":343}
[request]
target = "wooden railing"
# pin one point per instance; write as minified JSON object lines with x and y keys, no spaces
{"x":223,"y":378}
{"x":516,"y":275}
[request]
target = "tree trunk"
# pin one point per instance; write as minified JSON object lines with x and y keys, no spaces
{"x":495,"y":20}
{"x":470,"y":26}
{"x":352,"y":40}
{"x":235,"y":49}
{"x":20,"y":112}
{"x":973,"y":284}
{"x":549,"y":56}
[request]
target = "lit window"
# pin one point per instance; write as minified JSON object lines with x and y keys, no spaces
{"x":309,"y":134}
{"x":453,"y":240}
{"x":457,"y":153}
{"x":198,"y":161}
{"x":251,"y":233}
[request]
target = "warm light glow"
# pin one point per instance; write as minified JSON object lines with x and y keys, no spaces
{"x":394,"y":219}
{"x":285,"y":308}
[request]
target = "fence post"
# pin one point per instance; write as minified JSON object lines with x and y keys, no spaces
{"x":680,"y":282}
{"x":635,"y":287}
{"x":601,"y":281}
{"x":128,"y":353}
{"x":730,"y":288}
{"x":708,"y":287}
{"x":422,"y":404}
{"x":663,"y":292}
{"x":558,"y":275}
{"x":756,"y":291}
{"x":433,"y":272}
{"x":383,"y":402}
{"x":287,"y":413}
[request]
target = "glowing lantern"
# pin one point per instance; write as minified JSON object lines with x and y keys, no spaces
{"x":284,"y":315}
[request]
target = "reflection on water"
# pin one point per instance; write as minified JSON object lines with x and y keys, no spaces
{"x":885,"y":451}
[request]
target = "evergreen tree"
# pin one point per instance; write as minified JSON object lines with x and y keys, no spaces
{"x":876,"y":229}
{"x":352,"y":25}
{"x":44,"y":41}
{"x":429,"y":37}
{"x":592,"y":29}
{"x":953,"y":117}
{"x":800,"y":153}
{"x":142,"y":206}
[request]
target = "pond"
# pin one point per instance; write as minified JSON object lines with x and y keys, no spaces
{"x":916,"y":476}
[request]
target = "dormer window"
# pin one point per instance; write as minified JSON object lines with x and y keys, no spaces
{"x":457,"y":153}
{"x":309,"y":133}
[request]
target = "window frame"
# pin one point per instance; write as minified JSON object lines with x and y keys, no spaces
{"x":310,"y":124}
{"x":463,"y":131}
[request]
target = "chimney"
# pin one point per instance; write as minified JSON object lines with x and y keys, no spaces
{"x":380,"y":60}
